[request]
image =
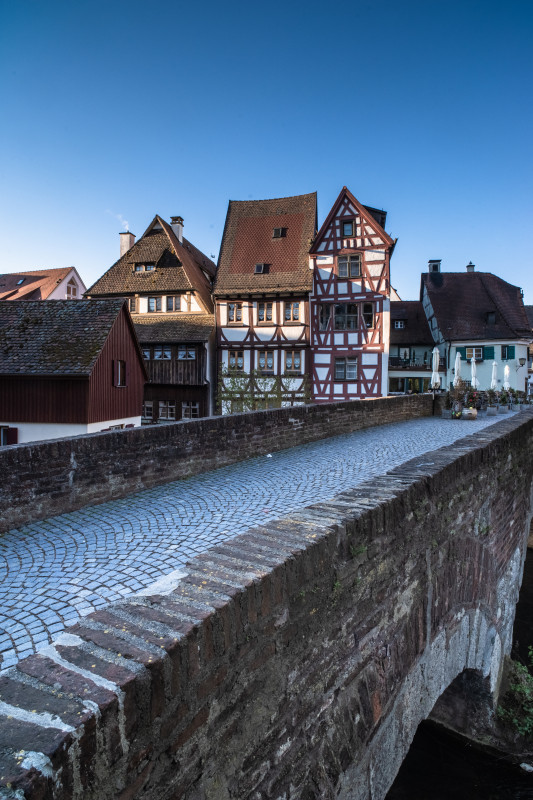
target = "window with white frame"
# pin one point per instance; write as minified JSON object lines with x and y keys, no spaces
{"x":346,"y":369}
{"x":399,"y":323}
{"x":72,"y":289}
{"x":368,"y":315}
{"x":474,"y":352}
{"x":148,"y":409}
{"x":186,"y":353}
{"x":162,"y":353}
{"x":167,"y":409}
{"x":346,"y":317}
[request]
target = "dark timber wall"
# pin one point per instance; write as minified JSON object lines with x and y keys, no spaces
{"x":294,"y":661}
{"x":47,"y":478}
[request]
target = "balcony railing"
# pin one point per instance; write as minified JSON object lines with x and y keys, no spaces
{"x":414,"y":363}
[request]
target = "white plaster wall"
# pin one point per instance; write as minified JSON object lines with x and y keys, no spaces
{"x":517,"y":374}
{"x":60,"y":292}
{"x":38,"y":431}
{"x":195,"y":305}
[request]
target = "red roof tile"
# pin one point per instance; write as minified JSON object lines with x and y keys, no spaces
{"x":416,"y":327}
{"x":37,"y":285}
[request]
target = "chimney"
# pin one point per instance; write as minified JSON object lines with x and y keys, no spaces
{"x":177,"y":227}
{"x":470,"y":267}
{"x":127,"y":240}
{"x":434,"y":264}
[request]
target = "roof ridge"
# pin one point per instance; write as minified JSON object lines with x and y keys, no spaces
{"x":275,"y":199}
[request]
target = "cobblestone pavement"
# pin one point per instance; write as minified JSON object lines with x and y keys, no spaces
{"x":54,"y":571}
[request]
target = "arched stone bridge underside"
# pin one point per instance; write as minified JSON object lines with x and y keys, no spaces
{"x":297,"y":660}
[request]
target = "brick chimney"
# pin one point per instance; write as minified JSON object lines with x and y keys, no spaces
{"x":177,"y":227}
{"x":470,"y":267}
{"x":127,"y":240}
{"x":434,"y":264}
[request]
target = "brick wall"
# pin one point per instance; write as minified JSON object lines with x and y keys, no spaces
{"x":295,"y":660}
{"x":47,"y":478}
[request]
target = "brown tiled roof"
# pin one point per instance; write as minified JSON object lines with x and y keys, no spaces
{"x":38,"y":283}
{"x":416,"y":330}
{"x":180,"y":267}
{"x":248,"y":241}
{"x":462,"y":302}
{"x":174,"y":328}
{"x":529,"y":312}
{"x":54,"y":337}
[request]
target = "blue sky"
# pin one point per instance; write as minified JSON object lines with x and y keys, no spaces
{"x":115,"y":111}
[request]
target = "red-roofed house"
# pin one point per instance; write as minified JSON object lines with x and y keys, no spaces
{"x":167,"y":282}
{"x":262,"y":302}
{"x":42,"y":284}
{"x":350,"y":305}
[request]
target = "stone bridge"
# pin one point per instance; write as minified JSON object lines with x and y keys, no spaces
{"x":296,"y":660}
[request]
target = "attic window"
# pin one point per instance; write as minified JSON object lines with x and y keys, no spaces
{"x":149,"y":266}
{"x":399,"y":323}
{"x":347,"y":227}
{"x":491,"y":318}
{"x":260,"y":269}
{"x":19,"y":283}
{"x":279,"y":233}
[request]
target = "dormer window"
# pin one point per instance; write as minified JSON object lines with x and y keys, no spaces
{"x":279,"y":233}
{"x":399,"y":324}
{"x":149,"y":266}
{"x":347,"y":227}
{"x":260,"y":269}
{"x":491,"y":318}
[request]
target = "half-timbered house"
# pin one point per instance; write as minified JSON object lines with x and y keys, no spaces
{"x":262,"y":303}
{"x":167,"y":282}
{"x":67,"y":368}
{"x":350,"y":305}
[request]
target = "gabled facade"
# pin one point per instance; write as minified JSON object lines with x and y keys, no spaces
{"x":479,"y":316}
{"x":349,"y":306}
{"x":42,"y":284}
{"x":262,"y":303}
{"x":67,"y":368}
{"x":167,"y":282}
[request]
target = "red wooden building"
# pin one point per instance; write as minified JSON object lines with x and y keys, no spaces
{"x":67,"y":368}
{"x":350,"y":305}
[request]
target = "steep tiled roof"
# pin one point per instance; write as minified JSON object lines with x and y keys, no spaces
{"x":180,"y":267}
{"x":529,"y":312}
{"x":416,"y":330}
{"x":54,"y":337}
{"x":462,"y":302}
{"x":174,"y":328}
{"x":37,"y":285}
{"x":248,"y":240}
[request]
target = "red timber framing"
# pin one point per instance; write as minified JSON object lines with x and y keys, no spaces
{"x":349,"y":304}
{"x":263,"y":351}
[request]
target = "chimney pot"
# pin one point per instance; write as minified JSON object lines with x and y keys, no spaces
{"x":127,"y":240}
{"x":470,"y":267}
{"x":177,"y":227}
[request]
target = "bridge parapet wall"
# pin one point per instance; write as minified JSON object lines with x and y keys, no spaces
{"x":47,"y":478}
{"x":296,"y":660}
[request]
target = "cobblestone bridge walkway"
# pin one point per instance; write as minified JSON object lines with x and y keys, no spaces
{"x":55,"y":571}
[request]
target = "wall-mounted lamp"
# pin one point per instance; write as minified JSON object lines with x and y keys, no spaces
{"x":521,"y":363}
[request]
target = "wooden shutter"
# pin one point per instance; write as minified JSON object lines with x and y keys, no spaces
{"x":114,"y":373}
{"x":510,"y":351}
{"x":126,"y":373}
{"x":461,"y":350}
{"x":488,"y":353}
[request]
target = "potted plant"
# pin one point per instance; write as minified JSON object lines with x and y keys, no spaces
{"x":503,"y":402}
{"x":492,"y":407}
{"x":471,"y":403}
{"x":447,"y":410}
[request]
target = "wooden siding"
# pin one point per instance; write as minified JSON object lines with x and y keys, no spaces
{"x":174,"y":371}
{"x":51,"y":400}
{"x":107,"y":402}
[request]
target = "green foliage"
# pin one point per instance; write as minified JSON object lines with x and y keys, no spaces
{"x":358,"y":551}
{"x":516,"y":708}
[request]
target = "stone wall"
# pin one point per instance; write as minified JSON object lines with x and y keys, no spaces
{"x":47,"y":478}
{"x":294,"y":661}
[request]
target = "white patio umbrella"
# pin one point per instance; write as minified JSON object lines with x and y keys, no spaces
{"x":435,"y":378}
{"x":473,"y":380}
{"x":506,"y":372}
{"x":494,"y":379}
{"x":457,"y":370}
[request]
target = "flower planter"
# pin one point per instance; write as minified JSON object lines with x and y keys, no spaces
{"x":469,"y":413}
{"x":446,"y":413}
{"x":492,"y":411}
{"x":502,"y":409}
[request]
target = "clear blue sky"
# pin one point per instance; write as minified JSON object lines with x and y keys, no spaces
{"x":115,"y":111}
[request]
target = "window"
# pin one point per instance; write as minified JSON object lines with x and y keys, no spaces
{"x":72,"y":289}
{"x":345,"y":317}
{"x":368,"y":315}
{"x":292,"y":312}
{"x":259,"y":269}
{"x":148,"y":409}
{"x":236,"y":360}
{"x":491,"y":318}
{"x":19,"y":283}
{"x":264,"y":312}
{"x":154,"y":303}
{"x":133,"y":304}
{"x":293,"y":360}
{"x":167,"y":410}
{"x":474,"y":352}
{"x":119,"y":373}
{"x":190,"y":410}
{"x":266,"y":360}
{"x":346,"y":369}
{"x":149,"y":267}
{"x":399,"y":323}
{"x":162,"y":353}
{"x":347,"y":227}
{"x":349,"y":266}
{"x":174,"y":303}
{"x":146,"y":353}
{"x":139,"y":267}
{"x":234,"y":312}
{"x":279,"y":233}
{"x":507,"y":352}
{"x":145,"y":267}
{"x":186,"y":353}
{"x":324,"y":314}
